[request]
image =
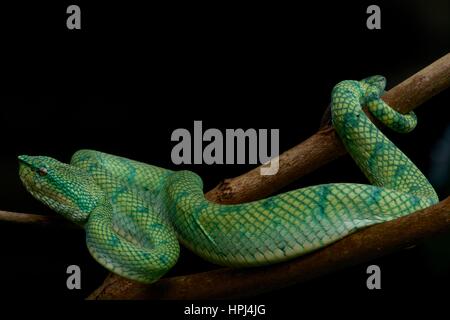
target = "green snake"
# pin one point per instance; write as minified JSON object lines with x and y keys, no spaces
{"x":135,"y":214}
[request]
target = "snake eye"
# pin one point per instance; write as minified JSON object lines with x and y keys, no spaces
{"x":42,"y":171}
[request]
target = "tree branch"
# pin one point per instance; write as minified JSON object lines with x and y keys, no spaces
{"x":35,"y":220}
{"x":357,"y":248}
{"x":319,"y":149}
{"x":322,"y":147}
{"x":325,"y":146}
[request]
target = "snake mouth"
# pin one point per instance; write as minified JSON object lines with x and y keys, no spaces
{"x":25,"y":169}
{"x":41,"y":188}
{"x":27,"y":176}
{"x":62,"y":187}
{"x":25,"y":161}
{"x":24,"y":158}
{"x":28,"y":173}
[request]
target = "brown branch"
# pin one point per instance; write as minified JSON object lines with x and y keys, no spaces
{"x":319,"y":149}
{"x":325,"y":146}
{"x":357,"y":248}
{"x":322,"y":147}
{"x":35,"y":220}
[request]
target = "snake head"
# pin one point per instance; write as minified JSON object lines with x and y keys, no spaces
{"x":64,"y":188}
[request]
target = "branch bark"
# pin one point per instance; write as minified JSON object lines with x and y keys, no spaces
{"x":357,"y":248}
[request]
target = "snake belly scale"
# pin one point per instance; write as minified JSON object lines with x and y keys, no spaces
{"x":136,"y":214}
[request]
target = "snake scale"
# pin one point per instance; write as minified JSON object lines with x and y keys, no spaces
{"x":135,"y":214}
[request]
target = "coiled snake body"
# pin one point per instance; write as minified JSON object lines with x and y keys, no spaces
{"x":134,"y":214}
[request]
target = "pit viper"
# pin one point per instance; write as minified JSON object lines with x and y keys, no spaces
{"x":135,"y":214}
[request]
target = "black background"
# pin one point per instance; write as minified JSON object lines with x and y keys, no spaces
{"x":135,"y":73}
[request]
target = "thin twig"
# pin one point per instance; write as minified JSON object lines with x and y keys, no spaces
{"x":35,"y":220}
